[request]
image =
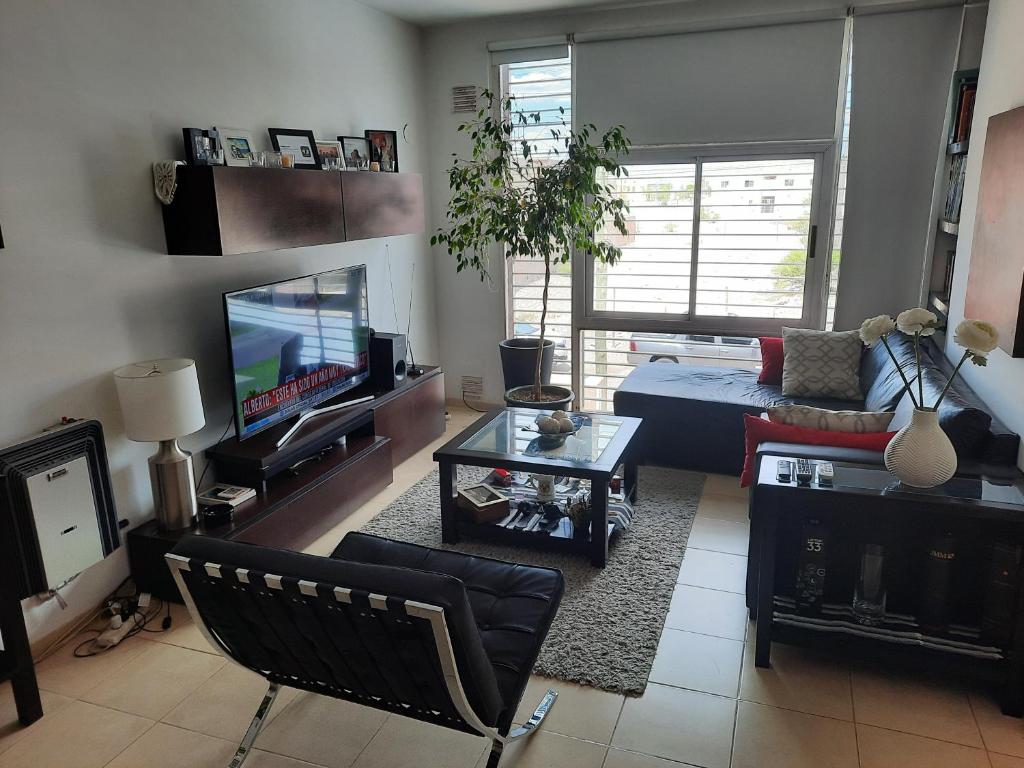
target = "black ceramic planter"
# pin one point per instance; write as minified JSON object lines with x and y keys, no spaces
{"x":563,"y":402}
{"x":519,"y":361}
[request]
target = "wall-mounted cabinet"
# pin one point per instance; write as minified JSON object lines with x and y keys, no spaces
{"x":222,"y":211}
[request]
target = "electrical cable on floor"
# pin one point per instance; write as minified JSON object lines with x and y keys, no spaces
{"x":139,"y":617}
{"x":79,"y":626}
{"x":199,"y":482}
{"x":165,"y":624}
{"x":478,"y":410}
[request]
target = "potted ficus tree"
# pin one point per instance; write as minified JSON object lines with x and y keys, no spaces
{"x":538,"y":205}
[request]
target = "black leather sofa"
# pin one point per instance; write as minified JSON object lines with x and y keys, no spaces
{"x":693,"y":415}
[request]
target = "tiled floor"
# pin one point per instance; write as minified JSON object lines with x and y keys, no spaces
{"x":168,"y":701}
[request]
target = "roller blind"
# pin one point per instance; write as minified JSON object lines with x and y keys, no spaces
{"x":751,"y":84}
{"x":902,"y":68}
{"x":523,"y":51}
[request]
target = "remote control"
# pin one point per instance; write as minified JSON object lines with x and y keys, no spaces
{"x":804,"y":474}
{"x":825,"y":474}
{"x":785,"y":473}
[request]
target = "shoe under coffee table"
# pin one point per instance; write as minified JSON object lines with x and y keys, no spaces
{"x":501,"y":439}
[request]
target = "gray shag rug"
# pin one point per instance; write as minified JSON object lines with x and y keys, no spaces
{"x":607,"y":630}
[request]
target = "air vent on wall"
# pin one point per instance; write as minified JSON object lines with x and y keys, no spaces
{"x":472,"y":387}
{"x":464,"y":98}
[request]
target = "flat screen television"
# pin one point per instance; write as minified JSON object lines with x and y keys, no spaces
{"x":295,"y":344}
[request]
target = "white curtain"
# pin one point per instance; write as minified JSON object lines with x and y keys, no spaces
{"x":902,"y":69}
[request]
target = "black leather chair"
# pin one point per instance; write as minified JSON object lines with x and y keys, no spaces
{"x":434,"y":635}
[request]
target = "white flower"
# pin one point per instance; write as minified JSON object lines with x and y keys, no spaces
{"x":977,"y":337}
{"x":874,"y":328}
{"x":917,"y":320}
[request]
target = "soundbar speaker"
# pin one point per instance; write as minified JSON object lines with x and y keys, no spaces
{"x":387,"y":360}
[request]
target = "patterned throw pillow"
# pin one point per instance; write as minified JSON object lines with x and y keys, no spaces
{"x":821,"y":364}
{"x":809,"y":417}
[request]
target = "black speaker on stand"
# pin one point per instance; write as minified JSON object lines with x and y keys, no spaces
{"x":387,"y":359}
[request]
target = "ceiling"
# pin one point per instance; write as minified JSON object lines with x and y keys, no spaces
{"x":430,"y":12}
{"x":427,"y":12}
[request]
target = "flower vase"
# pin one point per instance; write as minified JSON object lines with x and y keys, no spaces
{"x":921,"y":455}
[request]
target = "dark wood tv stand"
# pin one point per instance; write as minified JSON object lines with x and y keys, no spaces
{"x":331,"y":467}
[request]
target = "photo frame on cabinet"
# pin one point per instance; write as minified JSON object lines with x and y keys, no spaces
{"x":384,"y":149}
{"x":300,"y":143}
{"x":239,"y":146}
{"x":330,"y":152}
{"x":202,"y":146}
{"x":356,"y":150}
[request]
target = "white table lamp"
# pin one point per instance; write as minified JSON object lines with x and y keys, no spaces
{"x":160,"y":401}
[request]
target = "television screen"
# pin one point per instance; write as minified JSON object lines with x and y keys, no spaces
{"x":295,"y":344}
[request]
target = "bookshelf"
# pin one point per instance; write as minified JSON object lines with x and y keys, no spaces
{"x":963,"y":88}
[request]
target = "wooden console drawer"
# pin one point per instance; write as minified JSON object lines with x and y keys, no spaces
{"x":413,"y":420}
{"x":324,"y":503}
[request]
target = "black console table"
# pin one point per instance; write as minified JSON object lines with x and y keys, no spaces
{"x":952,"y":570}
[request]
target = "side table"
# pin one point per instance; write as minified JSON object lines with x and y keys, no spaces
{"x":979,"y":596}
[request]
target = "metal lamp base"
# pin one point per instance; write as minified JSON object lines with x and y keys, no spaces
{"x":174,"y":491}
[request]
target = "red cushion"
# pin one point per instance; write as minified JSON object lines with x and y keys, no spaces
{"x":762,"y":431}
{"x":771,"y":360}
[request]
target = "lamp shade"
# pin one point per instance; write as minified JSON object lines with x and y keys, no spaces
{"x":160,"y":399}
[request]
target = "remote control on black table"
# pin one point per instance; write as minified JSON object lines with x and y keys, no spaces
{"x":826,"y":473}
{"x":804,"y":474}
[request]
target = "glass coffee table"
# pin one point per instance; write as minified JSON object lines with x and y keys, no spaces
{"x":502,"y":439}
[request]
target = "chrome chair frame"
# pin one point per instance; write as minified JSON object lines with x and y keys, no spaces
{"x":443,"y":644}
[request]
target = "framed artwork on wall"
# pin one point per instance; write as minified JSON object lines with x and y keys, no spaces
{"x":995,"y":281}
{"x":384,"y":149}
{"x":300,"y":143}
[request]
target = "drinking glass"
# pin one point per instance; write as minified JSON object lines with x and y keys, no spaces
{"x":869,"y":595}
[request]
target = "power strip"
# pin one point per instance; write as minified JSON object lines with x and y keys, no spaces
{"x":115,"y":633}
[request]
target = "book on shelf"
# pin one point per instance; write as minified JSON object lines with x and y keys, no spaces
{"x":965,"y":111}
{"x":955,"y":189}
{"x":222,"y":493}
{"x":947,"y":282}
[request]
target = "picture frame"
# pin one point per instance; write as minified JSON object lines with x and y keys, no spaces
{"x":360,"y":145}
{"x":202,"y":146}
{"x":383,"y":149}
{"x":300,"y":142}
{"x":327,"y":148}
{"x":483,"y":503}
{"x":239,"y":146}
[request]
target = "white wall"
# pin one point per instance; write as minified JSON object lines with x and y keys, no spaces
{"x":1000,"y":88}
{"x":471,"y":318}
{"x":92,"y":92}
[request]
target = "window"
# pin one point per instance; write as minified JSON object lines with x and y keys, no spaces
{"x":715,"y":254}
{"x":653,"y":274}
{"x":741,"y":264}
{"x":544,"y":87}
{"x":731,"y":264}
